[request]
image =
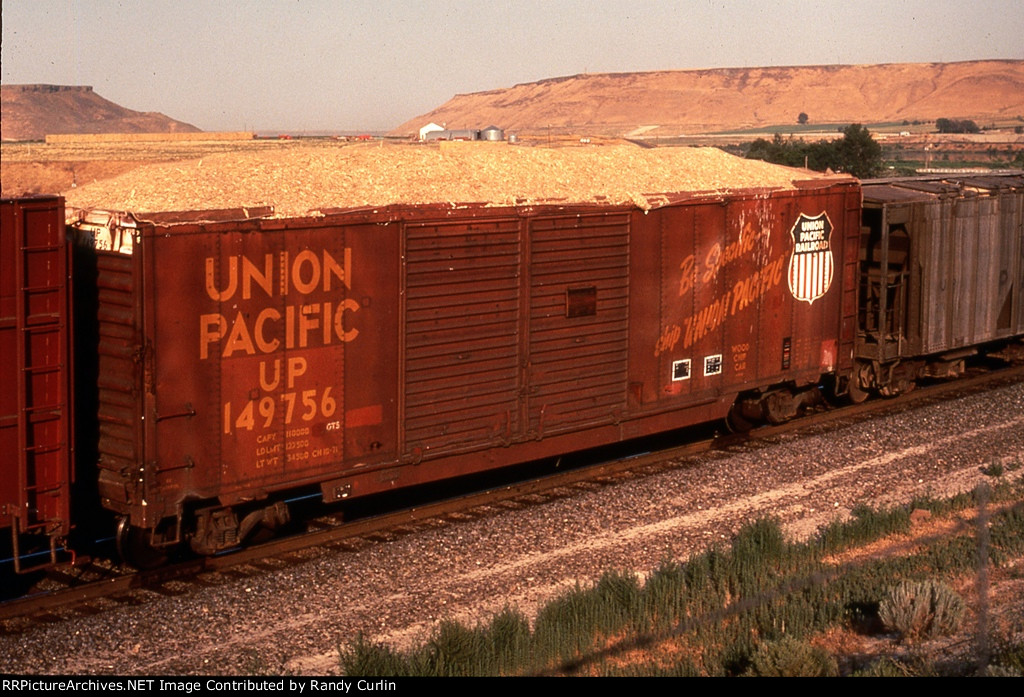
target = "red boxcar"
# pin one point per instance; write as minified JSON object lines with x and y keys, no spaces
{"x":361,"y":351}
{"x":36,"y":453}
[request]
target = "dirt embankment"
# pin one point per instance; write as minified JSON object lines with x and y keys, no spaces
{"x":21,"y":178}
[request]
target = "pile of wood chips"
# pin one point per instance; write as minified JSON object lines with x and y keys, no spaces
{"x":303,"y":179}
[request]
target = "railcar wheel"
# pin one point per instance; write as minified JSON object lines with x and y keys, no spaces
{"x":736,"y":422}
{"x":779,"y":407}
{"x":856,"y":394}
{"x":133,"y":546}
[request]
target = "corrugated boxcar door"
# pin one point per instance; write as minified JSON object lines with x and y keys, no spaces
{"x":461,"y":358}
{"x":578,"y":334}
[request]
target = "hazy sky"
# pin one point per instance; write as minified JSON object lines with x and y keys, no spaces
{"x":372,"y":64}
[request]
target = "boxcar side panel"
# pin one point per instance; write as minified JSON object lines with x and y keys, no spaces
{"x":36,"y":453}
{"x":664,"y":269}
{"x":272,"y":318}
{"x":963,"y":252}
{"x":931,"y":257}
{"x":753,"y":321}
{"x":785,"y":337}
{"x":1008,"y":309}
{"x":228,"y":379}
{"x":121,"y":415}
{"x":1013,"y":221}
{"x":968,"y":261}
{"x":686,"y":325}
{"x":363,"y":351}
{"x":755,"y":291}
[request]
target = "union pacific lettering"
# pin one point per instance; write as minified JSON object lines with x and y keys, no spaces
{"x":812,"y":237}
{"x":717,"y":258}
{"x":744,"y":293}
{"x":291,"y":325}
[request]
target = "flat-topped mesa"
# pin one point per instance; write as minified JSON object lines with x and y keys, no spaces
{"x":304,"y":179}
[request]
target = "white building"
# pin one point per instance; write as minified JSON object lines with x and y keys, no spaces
{"x":429,"y":128}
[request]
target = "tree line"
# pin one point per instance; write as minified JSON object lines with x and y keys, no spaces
{"x":856,"y":153}
{"x":956,"y":126}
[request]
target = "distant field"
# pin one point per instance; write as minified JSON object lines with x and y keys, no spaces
{"x":128,"y":150}
{"x":37,"y":168}
{"x":146,"y":137}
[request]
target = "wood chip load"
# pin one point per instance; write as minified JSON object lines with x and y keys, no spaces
{"x":305,"y":179}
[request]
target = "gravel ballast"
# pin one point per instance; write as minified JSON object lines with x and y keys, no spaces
{"x":293,"y":619}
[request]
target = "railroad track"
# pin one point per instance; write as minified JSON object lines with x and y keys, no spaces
{"x":83,"y":588}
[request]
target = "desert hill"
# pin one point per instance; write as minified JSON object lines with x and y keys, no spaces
{"x":31,"y":112}
{"x":702,"y":101}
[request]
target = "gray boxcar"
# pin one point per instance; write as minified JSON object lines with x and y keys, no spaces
{"x":942,"y":272}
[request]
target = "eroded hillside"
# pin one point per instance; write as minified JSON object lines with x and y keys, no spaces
{"x":701,"y":101}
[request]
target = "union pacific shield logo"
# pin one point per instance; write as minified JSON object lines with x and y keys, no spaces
{"x":811,"y":265}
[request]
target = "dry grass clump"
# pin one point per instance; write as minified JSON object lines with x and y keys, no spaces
{"x":304,"y":179}
{"x":766,"y":607}
{"x":919,"y":609}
